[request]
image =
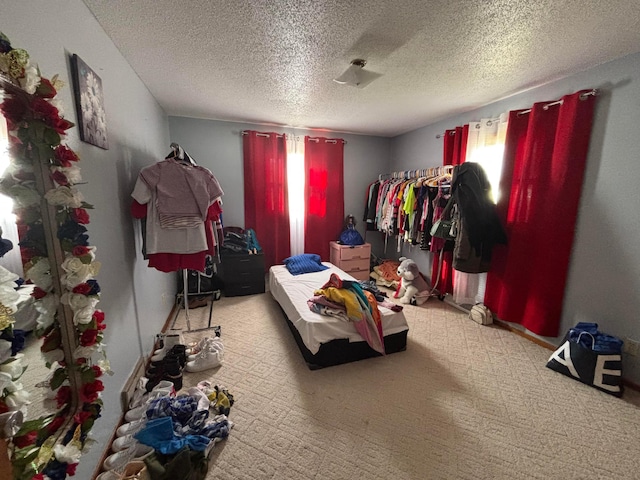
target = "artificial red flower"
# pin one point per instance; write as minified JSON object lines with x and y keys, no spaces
{"x":71,"y":469}
{"x":60,"y":125}
{"x":80,"y":215}
{"x":89,"y":337}
{"x":98,"y":316}
{"x":96,"y":370}
{"x":13,"y":109}
{"x":39,"y":476}
{"x":26,"y":439}
{"x":38,"y":293}
{"x":64,"y":155}
{"x":55,"y":424}
{"x":63,"y":396}
{"x":60,"y":178}
{"x":82,"y":288}
{"x":46,"y":88}
{"x":89,"y":391}
{"x":3,"y":407}
{"x":80,"y":251}
{"x":81,"y":417}
{"x":44,"y":110}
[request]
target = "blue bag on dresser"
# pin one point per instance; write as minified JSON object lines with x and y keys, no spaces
{"x":591,"y":357}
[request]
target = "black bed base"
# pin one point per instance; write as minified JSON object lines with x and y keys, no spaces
{"x":341,"y":350}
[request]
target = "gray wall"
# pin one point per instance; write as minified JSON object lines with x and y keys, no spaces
{"x":218,"y":146}
{"x":138,"y":135}
{"x":604,"y":276}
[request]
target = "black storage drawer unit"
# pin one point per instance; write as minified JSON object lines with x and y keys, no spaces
{"x":243,"y":274}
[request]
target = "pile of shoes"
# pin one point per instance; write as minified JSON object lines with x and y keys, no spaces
{"x":168,"y":362}
{"x":168,"y":436}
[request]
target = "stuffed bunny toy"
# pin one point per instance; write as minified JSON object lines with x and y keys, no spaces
{"x":413,"y":289}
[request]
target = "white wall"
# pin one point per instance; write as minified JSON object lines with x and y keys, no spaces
{"x":604,"y":277}
{"x":138,"y":135}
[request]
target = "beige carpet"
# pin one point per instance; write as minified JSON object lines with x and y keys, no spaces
{"x":463,"y":402}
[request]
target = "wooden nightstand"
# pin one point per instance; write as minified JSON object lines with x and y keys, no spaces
{"x":243,"y":274}
{"x":353,"y":260}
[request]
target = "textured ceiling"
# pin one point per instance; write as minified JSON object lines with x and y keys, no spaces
{"x":273,"y":62}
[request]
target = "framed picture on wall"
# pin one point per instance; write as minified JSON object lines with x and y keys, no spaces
{"x":92,"y":120}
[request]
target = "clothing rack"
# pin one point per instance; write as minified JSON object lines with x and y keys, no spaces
{"x":183,"y":298}
{"x":423,"y":172}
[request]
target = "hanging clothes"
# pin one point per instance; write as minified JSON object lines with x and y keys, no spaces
{"x":182,"y":201}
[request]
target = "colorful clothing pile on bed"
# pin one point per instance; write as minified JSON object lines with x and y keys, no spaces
{"x":348,"y":300}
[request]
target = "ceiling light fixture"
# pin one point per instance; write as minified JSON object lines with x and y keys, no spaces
{"x":356,"y":76}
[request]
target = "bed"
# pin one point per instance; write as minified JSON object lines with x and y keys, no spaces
{"x":324,"y":340}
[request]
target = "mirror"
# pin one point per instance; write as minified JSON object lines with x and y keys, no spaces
{"x":55,"y":310}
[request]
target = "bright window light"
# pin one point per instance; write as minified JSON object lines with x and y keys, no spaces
{"x":4,"y":146}
{"x":490,"y":159}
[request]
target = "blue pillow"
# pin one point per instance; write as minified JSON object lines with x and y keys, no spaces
{"x":304,"y":263}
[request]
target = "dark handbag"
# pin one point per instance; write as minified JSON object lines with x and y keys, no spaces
{"x":442,"y":229}
{"x":579,"y":358}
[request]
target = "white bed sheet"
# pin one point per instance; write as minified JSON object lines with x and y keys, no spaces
{"x":292,"y":293}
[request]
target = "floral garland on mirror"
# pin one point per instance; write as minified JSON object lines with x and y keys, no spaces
{"x":36,"y":128}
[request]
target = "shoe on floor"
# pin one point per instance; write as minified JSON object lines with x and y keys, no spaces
{"x":117,"y":461}
{"x":209,"y":358}
{"x":131,"y":428}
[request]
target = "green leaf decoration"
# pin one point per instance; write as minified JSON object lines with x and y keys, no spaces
{"x":59,"y":376}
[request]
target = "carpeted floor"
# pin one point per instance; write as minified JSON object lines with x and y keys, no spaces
{"x":462,"y":402}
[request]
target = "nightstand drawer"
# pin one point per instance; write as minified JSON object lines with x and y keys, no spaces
{"x":248,"y":288}
{"x":352,"y":253}
{"x":243,"y":274}
{"x":357,"y":265}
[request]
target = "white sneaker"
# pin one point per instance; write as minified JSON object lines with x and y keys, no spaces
{"x":124,"y":442}
{"x":138,"y":412}
{"x":206,"y":359}
{"x":141,"y":396}
{"x":207,"y":343}
{"x":131,"y":428}
{"x":119,"y":460}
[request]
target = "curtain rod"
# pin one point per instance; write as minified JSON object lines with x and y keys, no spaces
{"x":593,"y":92}
{"x":313,"y":139}
{"x":583,"y":96}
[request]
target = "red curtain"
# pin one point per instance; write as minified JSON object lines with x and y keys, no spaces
{"x":266,"y":205}
{"x":454,"y":153}
{"x":540,"y":187}
{"x":324,"y":194}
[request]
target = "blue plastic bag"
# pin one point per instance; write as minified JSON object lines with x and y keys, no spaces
{"x":351,"y":237}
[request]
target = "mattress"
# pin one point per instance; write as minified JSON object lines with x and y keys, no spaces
{"x":292,"y":293}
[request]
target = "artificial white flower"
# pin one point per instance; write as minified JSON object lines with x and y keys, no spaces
{"x":82,"y":306}
{"x":24,"y":196}
{"x":5,"y":352}
{"x":68,"y":453}
{"x":71,"y":173}
{"x":9,"y":297}
{"x":40,"y":274}
{"x":46,"y":307}
{"x":5,"y":381}
{"x":55,"y":355}
{"x":105,"y":365}
{"x":85,"y":352}
{"x":65,"y":196}
{"x":14,"y":368}
{"x":31,"y":79}
{"x":78,"y":272}
{"x":18,"y":397}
